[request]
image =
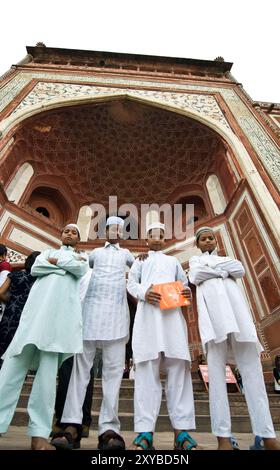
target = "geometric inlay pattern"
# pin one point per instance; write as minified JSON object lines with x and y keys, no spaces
{"x":140,"y":153}
{"x":43,"y":92}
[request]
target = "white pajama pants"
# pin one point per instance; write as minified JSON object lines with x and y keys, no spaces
{"x":113,"y":357}
{"x":148,"y":394}
{"x":249,"y":365}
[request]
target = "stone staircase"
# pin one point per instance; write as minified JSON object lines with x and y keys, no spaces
{"x":239,"y":412}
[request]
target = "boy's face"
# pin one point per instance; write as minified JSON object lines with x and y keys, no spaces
{"x":207,"y":242}
{"x":156,"y":239}
{"x":114,"y":233}
{"x":70,"y":236}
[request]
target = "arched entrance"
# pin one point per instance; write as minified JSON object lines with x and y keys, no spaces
{"x":143,"y":153}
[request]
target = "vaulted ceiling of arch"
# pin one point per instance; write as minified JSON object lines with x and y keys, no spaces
{"x":139,"y":153}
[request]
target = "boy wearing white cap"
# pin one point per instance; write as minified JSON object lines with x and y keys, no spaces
{"x":105,"y":326}
{"x":50,"y":331}
{"x":227,"y":332}
{"x":160,"y":341}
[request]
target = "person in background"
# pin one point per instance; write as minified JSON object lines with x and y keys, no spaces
{"x":201,"y":362}
{"x":14,"y":292}
{"x":64,"y":375}
{"x":238,"y":379}
{"x":276,"y":374}
{"x":5,"y":269}
{"x":4,"y":264}
{"x":3,"y":300}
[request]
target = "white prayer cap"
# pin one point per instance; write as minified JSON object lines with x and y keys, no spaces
{"x":114,"y":221}
{"x":75,"y":226}
{"x":155,"y":225}
{"x":202,"y":230}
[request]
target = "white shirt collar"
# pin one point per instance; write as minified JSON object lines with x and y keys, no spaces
{"x":67,"y":247}
{"x":115,"y":245}
{"x":152,"y":252}
{"x":214,"y":252}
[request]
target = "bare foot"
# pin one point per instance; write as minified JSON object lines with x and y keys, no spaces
{"x":40,"y":443}
{"x":271,"y":444}
{"x":134,"y":447}
{"x":224,"y":443}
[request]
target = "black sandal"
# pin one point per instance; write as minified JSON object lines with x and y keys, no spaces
{"x":65,"y":441}
{"x":110,"y":440}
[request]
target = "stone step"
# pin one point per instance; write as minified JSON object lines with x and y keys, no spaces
{"x":198,"y":385}
{"x":127,"y":387}
{"x":237,"y":405}
{"x":128,"y":390}
{"x":239,"y":411}
{"x":239,"y":423}
{"x":201,"y":407}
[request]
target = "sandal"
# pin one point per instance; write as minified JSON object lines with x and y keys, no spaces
{"x":234,"y":443}
{"x":110,"y":440}
{"x":65,"y":441}
{"x":144,"y":440}
{"x":184,"y":441}
{"x":258,"y":444}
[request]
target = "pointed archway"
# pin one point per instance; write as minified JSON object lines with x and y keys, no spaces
{"x":141,"y":151}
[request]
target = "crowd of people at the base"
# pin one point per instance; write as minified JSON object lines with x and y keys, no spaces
{"x":64,"y":307}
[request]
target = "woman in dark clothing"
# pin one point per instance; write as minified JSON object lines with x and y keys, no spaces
{"x":276,"y":373}
{"x":14,"y":292}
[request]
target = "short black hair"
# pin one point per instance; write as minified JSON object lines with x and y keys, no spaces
{"x":30,"y":260}
{"x":3,"y":250}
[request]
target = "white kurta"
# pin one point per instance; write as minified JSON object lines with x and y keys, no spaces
{"x":84,"y":283}
{"x":222,"y":308}
{"x":157,"y":330}
{"x":105,"y":309}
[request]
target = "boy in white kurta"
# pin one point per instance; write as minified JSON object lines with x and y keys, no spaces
{"x":160,"y":341}
{"x":227,"y":330}
{"x":50,"y":330}
{"x":105,"y":326}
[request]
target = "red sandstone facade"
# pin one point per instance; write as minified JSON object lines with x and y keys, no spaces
{"x":79,"y":126}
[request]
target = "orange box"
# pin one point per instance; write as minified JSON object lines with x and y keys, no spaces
{"x":171,"y":296}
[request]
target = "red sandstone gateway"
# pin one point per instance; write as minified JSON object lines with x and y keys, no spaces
{"x":146,"y":129}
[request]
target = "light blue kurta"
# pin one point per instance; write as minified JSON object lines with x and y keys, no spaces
{"x":52,"y":317}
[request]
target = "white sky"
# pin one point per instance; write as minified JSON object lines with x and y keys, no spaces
{"x":245,"y":32}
